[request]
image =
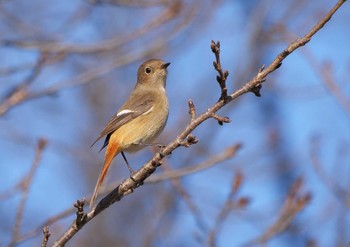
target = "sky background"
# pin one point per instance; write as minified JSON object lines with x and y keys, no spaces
{"x":297,"y":113}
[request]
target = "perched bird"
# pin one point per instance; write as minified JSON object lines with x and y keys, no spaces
{"x":140,"y":120}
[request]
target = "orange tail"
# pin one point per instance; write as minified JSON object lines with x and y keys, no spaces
{"x":111,"y":151}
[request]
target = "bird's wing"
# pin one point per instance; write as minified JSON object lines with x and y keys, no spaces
{"x":129,"y":111}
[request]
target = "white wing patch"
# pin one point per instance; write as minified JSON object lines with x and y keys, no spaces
{"x":124,"y":112}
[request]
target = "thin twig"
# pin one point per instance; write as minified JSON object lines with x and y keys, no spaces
{"x":222,"y":77}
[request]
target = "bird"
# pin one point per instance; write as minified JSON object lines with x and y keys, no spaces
{"x":139,"y":121}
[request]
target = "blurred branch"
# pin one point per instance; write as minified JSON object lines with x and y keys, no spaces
{"x":342,"y":194}
{"x":47,"y":222}
{"x":328,"y":79}
{"x":213,"y":160}
{"x":171,"y":11}
{"x":156,"y":178}
{"x":15,"y":69}
{"x":231,"y":204}
{"x":17,"y":24}
{"x":326,"y":73}
{"x":130,"y":184}
{"x":186,"y":197}
{"x":20,"y":93}
{"x":25,"y":191}
{"x":293,"y":204}
{"x":131,"y":3}
{"x":174,"y":176}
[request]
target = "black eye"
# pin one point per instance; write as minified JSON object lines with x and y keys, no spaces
{"x":148,"y":70}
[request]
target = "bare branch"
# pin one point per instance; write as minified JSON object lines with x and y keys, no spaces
{"x":222,"y":77}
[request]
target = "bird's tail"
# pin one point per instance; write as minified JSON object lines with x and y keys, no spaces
{"x":112,"y":150}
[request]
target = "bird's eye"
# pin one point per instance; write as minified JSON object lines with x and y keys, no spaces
{"x":148,"y":70}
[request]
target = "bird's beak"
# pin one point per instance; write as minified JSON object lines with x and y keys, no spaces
{"x":165,"y":65}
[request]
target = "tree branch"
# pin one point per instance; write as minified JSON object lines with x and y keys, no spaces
{"x":293,"y":204}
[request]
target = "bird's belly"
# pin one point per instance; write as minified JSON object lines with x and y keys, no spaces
{"x":146,"y":132}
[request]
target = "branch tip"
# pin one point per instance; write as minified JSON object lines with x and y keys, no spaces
{"x":191,"y":109}
{"x":221,"y":120}
{"x":81,"y":216}
{"x":47,"y":235}
{"x":222,"y":75}
{"x":215,"y":47}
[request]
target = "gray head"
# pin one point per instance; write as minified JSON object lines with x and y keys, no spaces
{"x":152,"y":73}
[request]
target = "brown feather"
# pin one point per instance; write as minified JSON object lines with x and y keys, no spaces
{"x":134,"y":104}
{"x":112,"y":150}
